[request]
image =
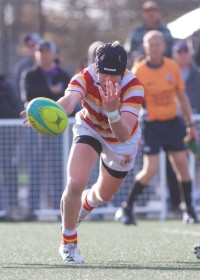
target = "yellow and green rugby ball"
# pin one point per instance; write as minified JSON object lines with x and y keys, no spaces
{"x":46,"y":116}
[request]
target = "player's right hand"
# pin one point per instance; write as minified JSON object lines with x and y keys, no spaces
{"x":25,"y":121}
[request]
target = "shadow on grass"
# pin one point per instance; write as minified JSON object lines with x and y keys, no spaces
{"x":177,"y":266}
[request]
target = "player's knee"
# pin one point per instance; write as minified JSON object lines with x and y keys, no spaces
{"x":74,"y":186}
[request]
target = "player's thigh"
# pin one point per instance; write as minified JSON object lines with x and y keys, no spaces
{"x":81,"y":161}
{"x":107,"y":185}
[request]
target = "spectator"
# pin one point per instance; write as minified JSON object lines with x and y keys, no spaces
{"x":26,"y":62}
{"x":195,"y":42}
{"x":45,"y":79}
{"x":8,"y":151}
{"x":151,"y":20}
{"x":84,"y":62}
{"x":163,"y":127}
{"x":92,"y":51}
{"x":183,"y":55}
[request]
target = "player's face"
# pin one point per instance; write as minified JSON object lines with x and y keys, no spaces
{"x":104,"y":78}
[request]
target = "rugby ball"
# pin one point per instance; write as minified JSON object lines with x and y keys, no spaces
{"x":46,"y":116}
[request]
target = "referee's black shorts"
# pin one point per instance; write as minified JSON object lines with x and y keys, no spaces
{"x":167,"y":135}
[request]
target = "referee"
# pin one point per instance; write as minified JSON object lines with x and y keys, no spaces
{"x":163,"y":126}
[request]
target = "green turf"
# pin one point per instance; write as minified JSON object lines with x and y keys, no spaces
{"x":151,"y":250}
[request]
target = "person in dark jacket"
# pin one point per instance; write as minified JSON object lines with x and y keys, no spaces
{"x":24,"y":63}
{"x":190,"y":73}
{"x":8,"y":108}
{"x":8,"y":144}
{"x":151,"y":20}
{"x":45,"y":79}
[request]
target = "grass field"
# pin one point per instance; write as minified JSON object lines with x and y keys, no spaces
{"x":151,"y":250}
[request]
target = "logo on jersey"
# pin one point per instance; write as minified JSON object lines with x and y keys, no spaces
{"x":169,"y":78}
{"x":127,"y":159}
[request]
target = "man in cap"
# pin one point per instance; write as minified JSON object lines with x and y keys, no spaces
{"x":182,"y":54}
{"x":26,"y":62}
{"x":45,"y":79}
{"x":151,"y":20}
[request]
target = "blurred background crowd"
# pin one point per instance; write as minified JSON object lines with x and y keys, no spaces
{"x":74,"y":25}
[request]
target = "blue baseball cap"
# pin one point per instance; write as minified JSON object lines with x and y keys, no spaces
{"x":181,"y":45}
{"x":32,"y":37}
{"x":46,"y":44}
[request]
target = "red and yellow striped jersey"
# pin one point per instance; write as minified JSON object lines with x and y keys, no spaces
{"x":131,"y":98}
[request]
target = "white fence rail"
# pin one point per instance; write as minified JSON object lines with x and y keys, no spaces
{"x":33,"y":175}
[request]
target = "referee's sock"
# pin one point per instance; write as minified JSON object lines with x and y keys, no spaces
{"x":187,"y":191}
{"x":136,"y":190}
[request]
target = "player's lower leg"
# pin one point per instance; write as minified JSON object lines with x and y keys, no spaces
{"x":125,"y":214}
{"x":87,"y":205}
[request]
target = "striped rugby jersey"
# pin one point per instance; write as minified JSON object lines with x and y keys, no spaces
{"x":93,"y":114}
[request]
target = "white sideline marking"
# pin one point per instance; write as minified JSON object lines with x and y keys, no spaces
{"x":176,"y":231}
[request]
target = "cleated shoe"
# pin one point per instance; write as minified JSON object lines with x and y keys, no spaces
{"x":70,"y":254}
{"x":190,"y":217}
{"x":125,"y":216}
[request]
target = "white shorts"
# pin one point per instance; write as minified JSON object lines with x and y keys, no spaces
{"x":119,"y":157}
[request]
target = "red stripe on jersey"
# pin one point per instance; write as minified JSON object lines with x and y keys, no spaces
{"x":114,"y":140}
{"x":132,"y":83}
{"x":135,"y":99}
{"x":97,"y":115}
{"x":97,"y":127}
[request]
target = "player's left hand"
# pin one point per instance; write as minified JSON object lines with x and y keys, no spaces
{"x":110,"y":97}
{"x":192,"y":133}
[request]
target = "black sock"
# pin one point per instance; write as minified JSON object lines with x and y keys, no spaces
{"x":187,"y":191}
{"x":135,"y":191}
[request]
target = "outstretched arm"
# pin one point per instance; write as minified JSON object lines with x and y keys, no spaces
{"x":69,"y":101}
